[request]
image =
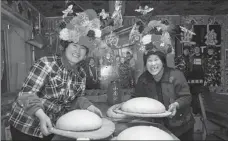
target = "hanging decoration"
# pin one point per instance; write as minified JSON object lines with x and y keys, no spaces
{"x":136,"y":32}
{"x":104,"y":15}
{"x":144,"y":10}
{"x":186,"y":36}
{"x":69,"y":10}
{"x":211,"y":37}
{"x":112,"y":40}
{"x":117,"y":16}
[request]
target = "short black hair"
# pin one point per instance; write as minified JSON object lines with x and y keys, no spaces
{"x":160,"y":54}
{"x":186,"y":47}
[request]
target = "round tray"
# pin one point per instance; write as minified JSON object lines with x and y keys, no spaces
{"x":165,"y":114}
{"x":114,"y":116}
{"x":106,"y":130}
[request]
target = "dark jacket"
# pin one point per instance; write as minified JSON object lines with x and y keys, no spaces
{"x":174,"y":88}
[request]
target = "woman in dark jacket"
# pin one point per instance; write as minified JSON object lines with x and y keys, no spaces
{"x":170,"y":87}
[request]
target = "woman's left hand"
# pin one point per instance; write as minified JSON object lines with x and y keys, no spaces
{"x":95,"y":110}
{"x":173,"y":109}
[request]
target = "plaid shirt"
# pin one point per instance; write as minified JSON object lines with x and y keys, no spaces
{"x":51,"y":85}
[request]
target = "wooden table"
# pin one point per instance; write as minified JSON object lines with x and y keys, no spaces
{"x":120,"y":126}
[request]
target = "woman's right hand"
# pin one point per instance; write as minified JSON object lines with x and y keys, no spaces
{"x":45,"y":122}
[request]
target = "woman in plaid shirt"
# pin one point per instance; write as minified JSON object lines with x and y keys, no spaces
{"x":55,"y":84}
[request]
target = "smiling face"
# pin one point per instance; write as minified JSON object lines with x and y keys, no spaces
{"x":91,"y":62}
{"x":197,"y":50}
{"x":75,"y":53}
{"x":154,"y":64}
{"x":210,"y":51}
{"x":108,"y":55}
{"x":122,"y":60}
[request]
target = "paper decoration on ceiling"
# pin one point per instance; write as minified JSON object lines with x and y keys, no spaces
{"x":186,"y":36}
{"x":144,"y":10}
{"x":69,"y":10}
{"x":103,"y":14}
{"x":117,"y":16}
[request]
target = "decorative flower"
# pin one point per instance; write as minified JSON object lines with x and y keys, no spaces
{"x":81,"y":19}
{"x":162,"y":44}
{"x":97,"y":33}
{"x":74,"y":36}
{"x":64,"y":34}
{"x":146,"y":39}
{"x":94,"y":24}
{"x":143,"y":49}
{"x":166,"y":38}
{"x":83,"y":29}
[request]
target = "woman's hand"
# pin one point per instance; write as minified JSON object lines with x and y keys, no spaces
{"x":45,"y":122}
{"x":173,"y":109}
{"x":95,"y":110}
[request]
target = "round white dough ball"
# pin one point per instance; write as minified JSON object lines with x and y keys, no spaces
{"x":144,"y":133}
{"x":143,"y":105}
{"x":79,"y":120}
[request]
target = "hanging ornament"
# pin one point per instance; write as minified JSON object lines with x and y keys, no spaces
{"x":211,"y":37}
{"x":103,"y":14}
{"x":67,"y":11}
{"x":186,"y":36}
{"x":117,"y":16}
{"x":112,"y":39}
{"x":144,"y":10}
{"x":136,"y":32}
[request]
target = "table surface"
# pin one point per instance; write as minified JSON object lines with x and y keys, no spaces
{"x":120,"y":126}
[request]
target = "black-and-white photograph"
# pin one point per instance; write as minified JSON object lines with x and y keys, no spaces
{"x":114,"y":70}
